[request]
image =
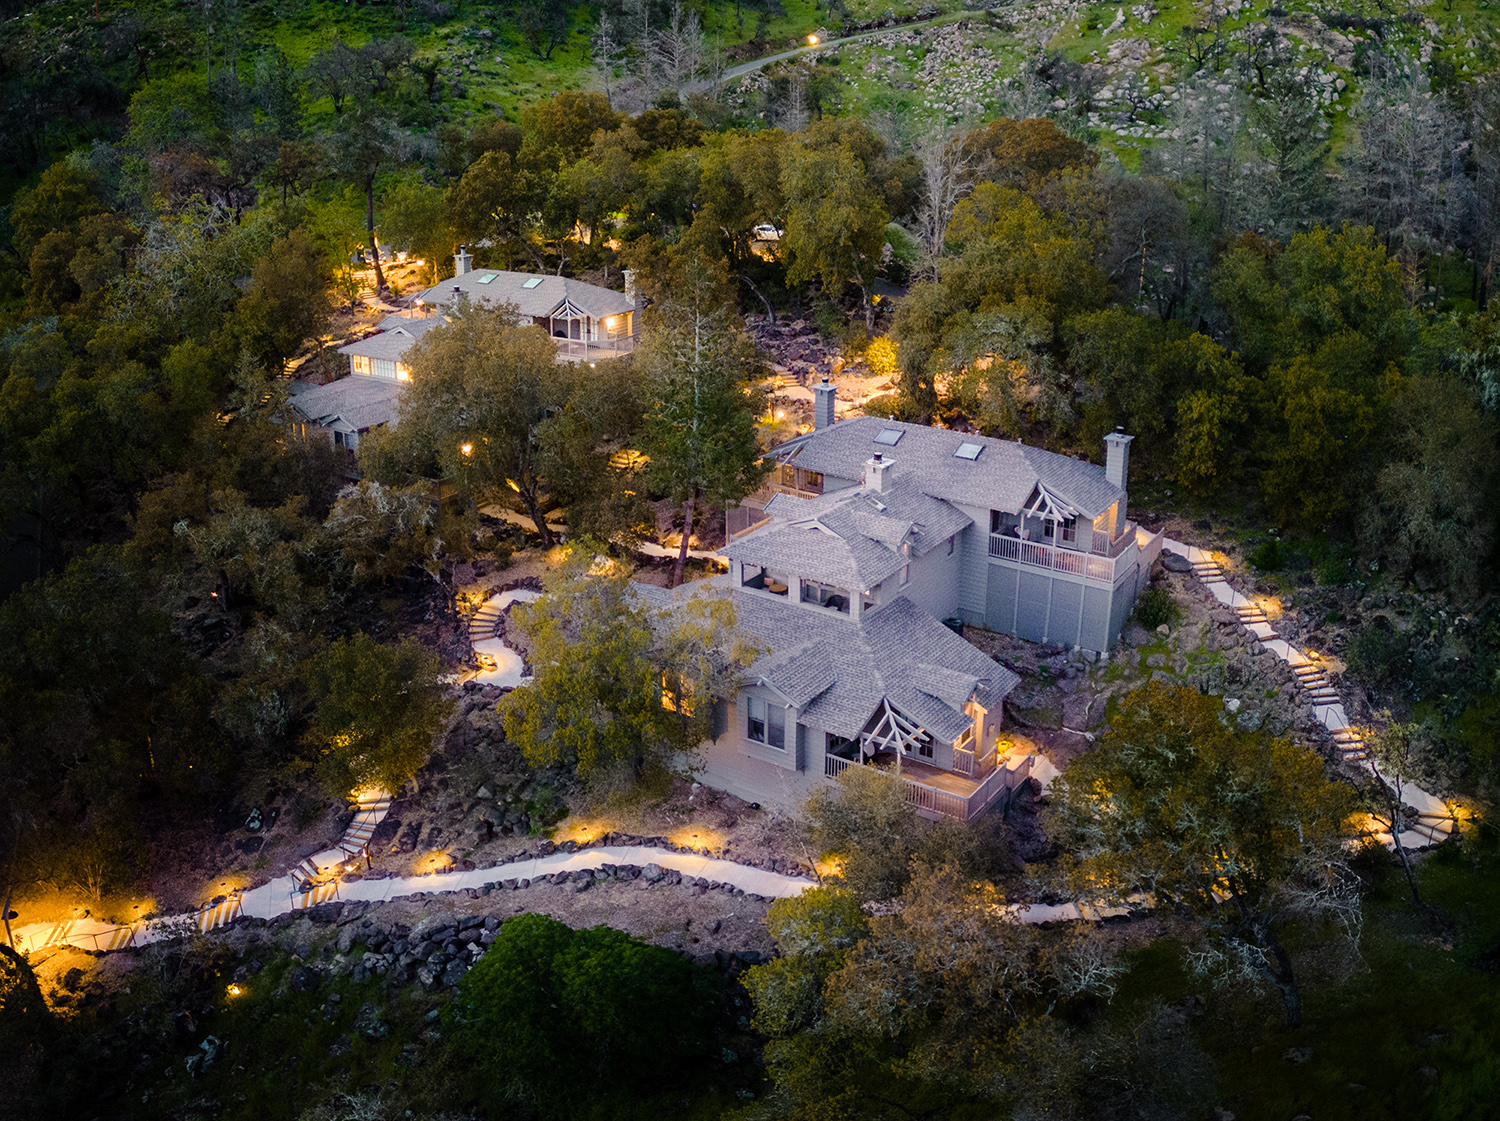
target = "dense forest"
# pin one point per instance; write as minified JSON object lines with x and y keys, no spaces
{"x":1283,"y":291}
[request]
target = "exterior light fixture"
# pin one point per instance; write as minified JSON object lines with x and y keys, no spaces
{"x":235,"y":990}
{"x":813,"y":40}
{"x":466,"y":449}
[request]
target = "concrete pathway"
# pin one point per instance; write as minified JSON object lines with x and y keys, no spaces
{"x":509,"y":668}
{"x":1434,"y":820}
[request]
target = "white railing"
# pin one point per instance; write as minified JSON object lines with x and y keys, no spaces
{"x":834,"y":765}
{"x":1104,"y":569}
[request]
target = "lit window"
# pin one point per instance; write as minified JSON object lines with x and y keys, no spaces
{"x":679,"y":699}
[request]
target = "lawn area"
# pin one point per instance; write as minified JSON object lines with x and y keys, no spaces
{"x":1412,"y":1032}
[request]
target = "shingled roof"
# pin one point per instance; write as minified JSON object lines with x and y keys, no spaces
{"x":853,"y":538}
{"x":360,"y":401}
{"x":547,"y":295}
{"x":838,"y":672}
{"x":1001,"y":477}
{"x":397,"y":334}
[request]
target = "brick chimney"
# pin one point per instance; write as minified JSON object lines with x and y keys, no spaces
{"x":823,"y":397}
{"x":878,"y":473}
{"x":463,"y":261}
{"x":1117,"y":457}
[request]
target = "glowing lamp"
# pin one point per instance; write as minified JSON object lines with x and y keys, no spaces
{"x":466,"y":449}
{"x":235,"y":990}
{"x":813,"y":40}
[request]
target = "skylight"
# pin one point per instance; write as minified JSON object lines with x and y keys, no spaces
{"x":891,"y":436}
{"x":533,"y":282}
{"x":968,"y":451}
{"x":487,"y":277}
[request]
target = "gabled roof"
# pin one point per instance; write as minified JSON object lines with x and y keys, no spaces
{"x":1001,"y":477}
{"x":534,"y":295}
{"x":853,"y":538}
{"x":397,"y":334}
{"x":838,"y":673}
{"x":360,"y":401}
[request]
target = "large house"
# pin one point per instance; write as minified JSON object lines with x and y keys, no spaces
{"x":346,"y":409}
{"x":585,"y":321}
{"x":869,"y":534}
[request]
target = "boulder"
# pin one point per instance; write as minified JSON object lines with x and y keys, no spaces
{"x":1175,"y":562}
{"x":304,"y":980}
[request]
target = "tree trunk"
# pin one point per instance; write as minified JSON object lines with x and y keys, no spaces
{"x":534,"y":512}
{"x":687,"y":532}
{"x":1393,"y":797}
{"x":10,"y":939}
{"x":1286,"y":981}
{"x":370,"y":231}
{"x":869,"y":311}
{"x":770,"y":311}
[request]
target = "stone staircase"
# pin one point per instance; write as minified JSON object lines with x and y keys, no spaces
{"x":1208,"y":572}
{"x":1252,"y":614}
{"x":484,"y":622}
{"x":1433,"y":821}
{"x":370,"y":810}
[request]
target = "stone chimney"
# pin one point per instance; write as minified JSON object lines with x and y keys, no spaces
{"x":1117,"y":457}
{"x":823,"y":397}
{"x":630,"y":290}
{"x":878,"y":473}
{"x":463,"y":261}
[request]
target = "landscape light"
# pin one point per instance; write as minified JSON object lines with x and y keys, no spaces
{"x":235,"y":990}
{"x":813,"y":40}
{"x":466,"y":449}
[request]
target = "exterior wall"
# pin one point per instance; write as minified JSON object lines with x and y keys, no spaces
{"x":1042,"y":607}
{"x":934,"y":581}
{"x":748,"y":770}
{"x":973,"y":576}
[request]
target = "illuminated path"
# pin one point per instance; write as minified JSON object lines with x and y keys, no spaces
{"x":1434,"y":818}
{"x":284,"y":895}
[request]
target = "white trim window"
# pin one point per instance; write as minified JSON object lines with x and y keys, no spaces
{"x":765,"y":723}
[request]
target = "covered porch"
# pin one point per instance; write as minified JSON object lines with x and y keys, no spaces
{"x":938,"y":793}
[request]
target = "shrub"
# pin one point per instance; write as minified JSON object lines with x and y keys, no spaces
{"x":1155,"y":606}
{"x":880,"y":356}
{"x":1269,"y":557}
{"x":1374,"y":654}
{"x":555,"y":1017}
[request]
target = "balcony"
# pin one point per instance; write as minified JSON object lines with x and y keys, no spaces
{"x":1105,"y":568}
{"x":937,"y":793}
{"x":592,"y":350}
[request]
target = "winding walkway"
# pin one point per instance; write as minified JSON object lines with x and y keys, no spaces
{"x":1434,"y":820}
{"x":510,"y":668}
